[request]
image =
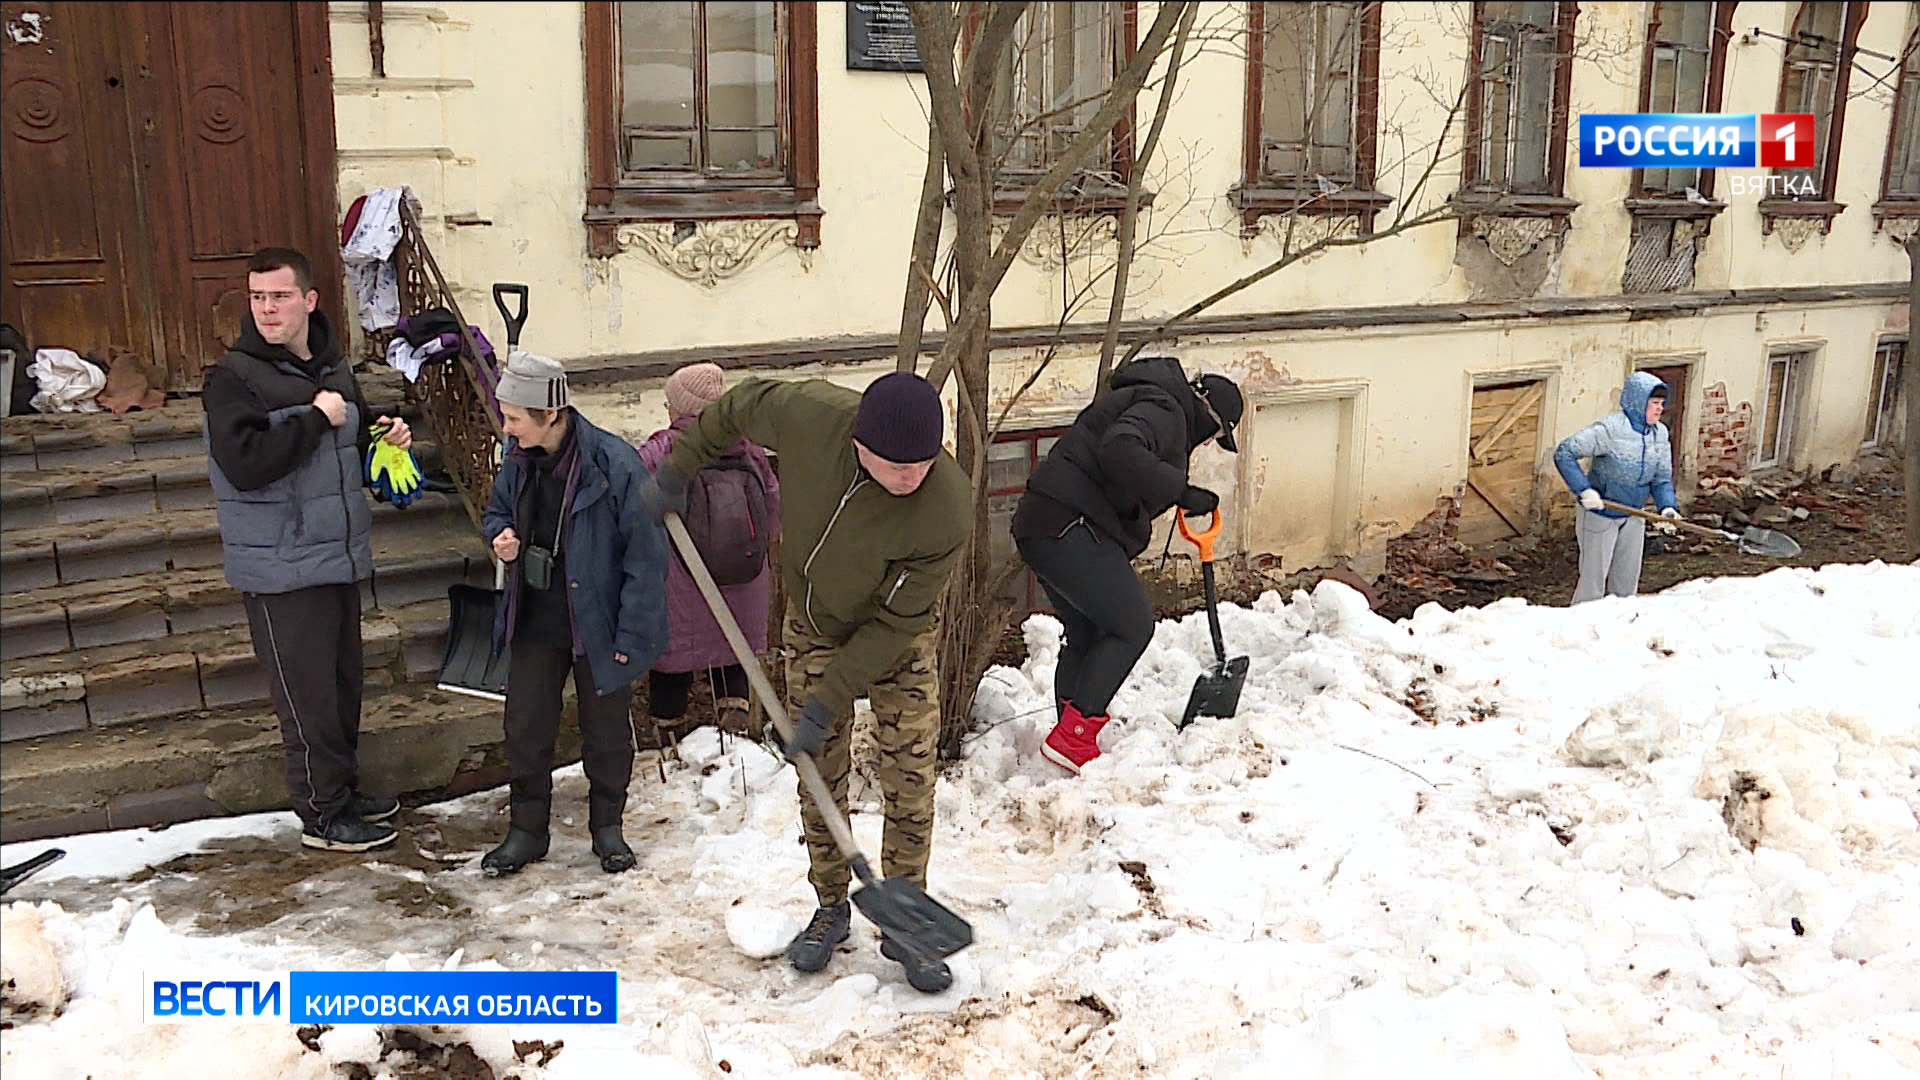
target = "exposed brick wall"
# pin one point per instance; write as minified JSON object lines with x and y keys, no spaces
{"x":1725,"y":433}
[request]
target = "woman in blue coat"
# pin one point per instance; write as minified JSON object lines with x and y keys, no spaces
{"x":1630,"y":460}
{"x":585,"y":597}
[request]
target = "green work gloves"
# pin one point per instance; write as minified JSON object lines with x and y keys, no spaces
{"x":394,"y":474}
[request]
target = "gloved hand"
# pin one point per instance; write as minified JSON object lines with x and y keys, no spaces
{"x":1670,"y":513}
{"x":663,"y":492}
{"x":1590,"y":499}
{"x":1198,"y":501}
{"x":393,"y":473}
{"x":809,"y":731}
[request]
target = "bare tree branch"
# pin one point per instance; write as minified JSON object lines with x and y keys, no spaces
{"x":926,"y":246}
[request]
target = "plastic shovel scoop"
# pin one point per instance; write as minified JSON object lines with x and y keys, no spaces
{"x":1753,"y":540}
{"x":901,"y":909}
{"x":1215,"y":692}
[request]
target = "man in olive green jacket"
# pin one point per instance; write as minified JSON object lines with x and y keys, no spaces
{"x":874,"y":514}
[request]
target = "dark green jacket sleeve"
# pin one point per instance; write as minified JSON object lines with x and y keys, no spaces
{"x":767,"y":411}
{"x":903,"y":610}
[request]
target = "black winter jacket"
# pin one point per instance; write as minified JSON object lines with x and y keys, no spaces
{"x":1124,"y":461}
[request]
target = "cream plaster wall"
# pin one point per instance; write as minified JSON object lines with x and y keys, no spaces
{"x":483,"y":113}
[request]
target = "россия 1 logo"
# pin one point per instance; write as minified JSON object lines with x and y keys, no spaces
{"x":1701,"y":141}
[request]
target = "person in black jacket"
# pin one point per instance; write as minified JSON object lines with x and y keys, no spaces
{"x":1088,"y":511}
{"x":287,"y":429}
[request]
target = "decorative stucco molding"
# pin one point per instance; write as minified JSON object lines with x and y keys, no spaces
{"x":1308,"y":229}
{"x":711,"y":251}
{"x":1511,"y":238}
{"x":1898,"y":228}
{"x":1794,"y":232}
{"x":1056,"y":238}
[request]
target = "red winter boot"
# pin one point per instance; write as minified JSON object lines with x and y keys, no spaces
{"x":1074,"y":741}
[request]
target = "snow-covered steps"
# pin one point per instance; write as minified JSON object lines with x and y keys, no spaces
{"x":230,"y":761}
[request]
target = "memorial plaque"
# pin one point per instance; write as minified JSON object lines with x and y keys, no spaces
{"x":880,"y":37}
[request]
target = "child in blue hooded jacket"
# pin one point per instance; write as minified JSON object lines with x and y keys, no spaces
{"x":1630,"y":461}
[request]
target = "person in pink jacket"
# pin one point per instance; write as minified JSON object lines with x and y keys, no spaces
{"x":696,"y":644}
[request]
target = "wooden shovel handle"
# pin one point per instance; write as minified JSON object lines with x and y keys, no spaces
{"x":1679,"y":523}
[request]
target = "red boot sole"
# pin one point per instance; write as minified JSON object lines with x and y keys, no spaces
{"x":1055,"y":756}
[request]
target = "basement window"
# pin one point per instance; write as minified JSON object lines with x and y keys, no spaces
{"x":1883,"y":405}
{"x":1780,"y":412}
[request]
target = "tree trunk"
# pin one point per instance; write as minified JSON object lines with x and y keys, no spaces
{"x":1910,"y":392}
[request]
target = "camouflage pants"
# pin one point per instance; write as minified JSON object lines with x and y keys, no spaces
{"x":906,"y":715}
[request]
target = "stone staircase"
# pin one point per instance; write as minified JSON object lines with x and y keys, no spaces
{"x":129,"y":692}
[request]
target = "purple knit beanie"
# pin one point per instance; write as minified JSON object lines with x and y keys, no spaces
{"x":901,"y":419}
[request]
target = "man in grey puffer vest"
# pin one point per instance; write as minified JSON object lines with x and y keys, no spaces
{"x":286,"y":432}
{"x":1630,"y":461}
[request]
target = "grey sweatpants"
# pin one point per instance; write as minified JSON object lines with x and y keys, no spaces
{"x":1609,"y":555}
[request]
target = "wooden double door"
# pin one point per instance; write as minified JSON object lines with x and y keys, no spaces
{"x":150,"y":148}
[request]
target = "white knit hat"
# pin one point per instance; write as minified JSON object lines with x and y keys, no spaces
{"x":533,"y":382}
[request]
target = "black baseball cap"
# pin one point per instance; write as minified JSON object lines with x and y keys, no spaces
{"x":1220,"y":393}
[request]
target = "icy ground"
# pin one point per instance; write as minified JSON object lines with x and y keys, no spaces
{"x":1667,"y":837}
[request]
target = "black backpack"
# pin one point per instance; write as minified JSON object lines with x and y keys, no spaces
{"x":728,"y":520}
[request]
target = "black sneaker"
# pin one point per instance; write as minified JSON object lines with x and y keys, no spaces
{"x":373,"y":808}
{"x":346,"y":832}
{"x":813,"y":947}
{"x":928,"y":978}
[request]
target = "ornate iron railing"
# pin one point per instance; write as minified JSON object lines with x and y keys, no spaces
{"x":456,"y":399}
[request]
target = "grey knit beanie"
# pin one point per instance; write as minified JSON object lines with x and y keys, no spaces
{"x":533,"y":382}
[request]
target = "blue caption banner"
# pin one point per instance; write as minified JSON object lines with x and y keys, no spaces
{"x":1668,"y":140}
{"x":464,"y":997}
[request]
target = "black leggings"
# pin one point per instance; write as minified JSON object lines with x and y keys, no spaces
{"x":667,"y":691}
{"x":1103,"y":607}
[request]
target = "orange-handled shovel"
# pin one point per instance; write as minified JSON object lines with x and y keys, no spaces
{"x":1215,"y":692}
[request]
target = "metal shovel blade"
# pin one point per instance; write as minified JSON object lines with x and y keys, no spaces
{"x":1217,"y":692}
{"x":1767,"y":543}
{"x":19,"y":872}
{"x":471,"y":666}
{"x":915,"y":921}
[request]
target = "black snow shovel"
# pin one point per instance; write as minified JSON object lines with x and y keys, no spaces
{"x":472,"y":665}
{"x":19,"y":872}
{"x":902,"y":910}
{"x":1215,"y":692}
{"x":1753,"y":540}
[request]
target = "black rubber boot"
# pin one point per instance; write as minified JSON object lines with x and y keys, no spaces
{"x":813,"y":947}
{"x":929,"y":978}
{"x":515,"y":852}
{"x":612,"y":850}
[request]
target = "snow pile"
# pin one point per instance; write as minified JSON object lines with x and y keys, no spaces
{"x":32,"y":985}
{"x":1666,"y":837}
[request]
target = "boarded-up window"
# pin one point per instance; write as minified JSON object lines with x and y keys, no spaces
{"x":1503,"y":452}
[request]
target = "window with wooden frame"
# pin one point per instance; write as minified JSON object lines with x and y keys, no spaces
{"x":1684,"y":72}
{"x":1780,"y":408}
{"x":1313,"y":90}
{"x":1883,"y":403}
{"x":1063,"y":57}
{"x":1011,"y":458}
{"x":1815,"y":74}
{"x":1521,"y":63}
{"x":701,"y":111}
{"x":1900,"y":183}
